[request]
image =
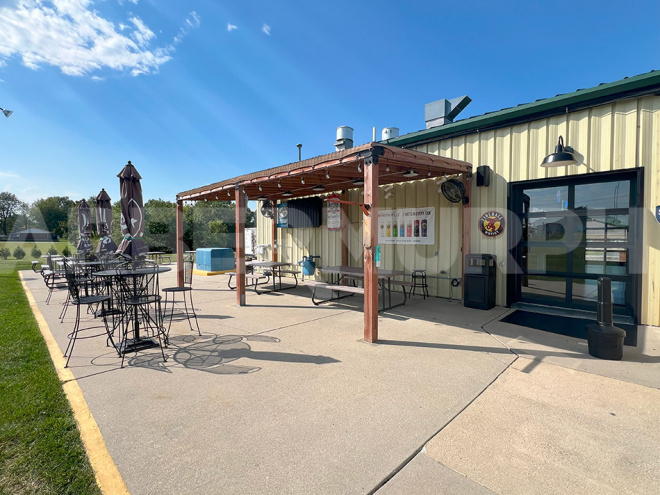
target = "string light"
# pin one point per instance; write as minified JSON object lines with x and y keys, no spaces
{"x":302,"y":180}
{"x":359,"y":167}
{"x":327,"y":173}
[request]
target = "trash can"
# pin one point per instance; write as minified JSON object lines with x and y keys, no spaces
{"x":479,"y":283}
{"x":604,"y":339}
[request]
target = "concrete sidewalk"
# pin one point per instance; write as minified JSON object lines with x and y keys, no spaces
{"x":281,"y":396}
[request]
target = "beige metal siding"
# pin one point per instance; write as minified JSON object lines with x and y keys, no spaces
{"x":615,"y":136}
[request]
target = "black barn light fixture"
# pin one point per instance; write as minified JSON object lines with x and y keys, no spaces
{"x":562,"y":156}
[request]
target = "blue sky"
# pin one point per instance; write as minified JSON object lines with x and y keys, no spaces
{"x":203,"y":90}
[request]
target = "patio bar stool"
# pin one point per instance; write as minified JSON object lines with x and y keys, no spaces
{"x":188,"y":311}
{"x":419,"y":282}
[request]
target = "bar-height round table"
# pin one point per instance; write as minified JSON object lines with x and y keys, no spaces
{"x":137,"y":342}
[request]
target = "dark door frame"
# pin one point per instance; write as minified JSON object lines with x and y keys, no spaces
{"x":635,"y":249}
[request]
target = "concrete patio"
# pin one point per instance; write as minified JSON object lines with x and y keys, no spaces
{"x":281,"y":396}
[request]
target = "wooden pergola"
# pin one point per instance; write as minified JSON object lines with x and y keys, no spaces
{"x":375,"y":164}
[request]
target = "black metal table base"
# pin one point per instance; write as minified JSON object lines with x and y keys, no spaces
{"x":135,"y":345}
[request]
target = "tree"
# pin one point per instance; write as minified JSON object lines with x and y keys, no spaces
{"x":160,"y":225}
{"x":55,"y":212}
{"x":9,"y":207}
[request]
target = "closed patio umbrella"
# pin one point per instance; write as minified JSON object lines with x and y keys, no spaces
{"x":132,"y":214}
{"x":104,"y":223}
{"x":84,"y":227}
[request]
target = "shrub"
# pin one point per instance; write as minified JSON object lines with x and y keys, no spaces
{"x":4,"y":253}
{"x":19,"y":254}
{"x":36,"y":252}
{"x":66,"y":251}
{"x":52,"y":250}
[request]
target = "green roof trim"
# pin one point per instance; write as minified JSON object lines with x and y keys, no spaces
{"x":580,"y":98}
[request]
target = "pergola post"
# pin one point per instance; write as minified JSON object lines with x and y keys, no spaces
{"x":273,"y":233}
{"x":240,"y":247}
{"x":467,"y":222}
{"x":344,"y":229}
{"x":370,"y":240}
{"x":179,"y":244}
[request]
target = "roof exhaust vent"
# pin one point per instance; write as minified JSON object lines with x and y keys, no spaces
{"x":443,"y":111}
{"x":389,"y":133}
{"x":344,"y":138}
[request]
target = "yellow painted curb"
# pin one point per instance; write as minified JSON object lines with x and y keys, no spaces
{"x":107,"y":475}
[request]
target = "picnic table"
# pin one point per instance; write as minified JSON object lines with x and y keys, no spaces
{"x":340,"y":274}
{"x":274,"y":269}
{"x":158,"y":256}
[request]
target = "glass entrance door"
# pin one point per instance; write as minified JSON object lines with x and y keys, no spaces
{"x":573,"y":231}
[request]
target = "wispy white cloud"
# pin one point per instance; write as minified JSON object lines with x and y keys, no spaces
{"x":73,"y":36}
{"x":192,"y":22}
{"x":122,"y":2}
{"x":9,"y":175}
{"x":142,"y":35}
{"x":266,"y":29}
{"x":231,"y":27}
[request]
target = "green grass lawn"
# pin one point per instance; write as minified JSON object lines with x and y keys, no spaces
{"x":40,"y":446}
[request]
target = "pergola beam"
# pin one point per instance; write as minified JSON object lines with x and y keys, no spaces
{"x":240,"y":247}
{"x":370,"y":240}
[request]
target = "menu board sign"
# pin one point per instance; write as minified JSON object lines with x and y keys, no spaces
{"x":407,"y":226}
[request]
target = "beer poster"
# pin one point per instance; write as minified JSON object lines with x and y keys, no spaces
{"x":407,"y":226}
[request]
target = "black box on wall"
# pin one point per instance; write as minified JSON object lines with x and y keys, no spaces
{"x":484,"y":176}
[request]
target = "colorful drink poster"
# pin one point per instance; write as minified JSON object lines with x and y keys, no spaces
{"x":415,"y":226}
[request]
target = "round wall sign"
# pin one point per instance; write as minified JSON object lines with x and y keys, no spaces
{"x":491,"y":223}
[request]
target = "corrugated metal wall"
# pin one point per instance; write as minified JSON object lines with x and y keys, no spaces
{"x":615,"y":136}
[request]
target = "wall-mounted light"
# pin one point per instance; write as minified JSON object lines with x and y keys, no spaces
{"x":318,"y":188}
{"x":286,"y":194}
{"x":562,"y":156}
{"x":410,"y":173}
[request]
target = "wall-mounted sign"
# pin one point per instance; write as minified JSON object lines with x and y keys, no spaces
{"x":657,"y":213}
{"x":407,"y":226}
{"x":491,"y":223}
{"x":334,"y":213}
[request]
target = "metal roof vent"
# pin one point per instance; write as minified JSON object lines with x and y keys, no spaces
{"x":389,"y":133}
{"x":443,"y":111}
{"x":344,"y":138}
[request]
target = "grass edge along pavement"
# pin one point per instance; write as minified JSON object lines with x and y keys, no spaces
{"x":40,"y":436}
